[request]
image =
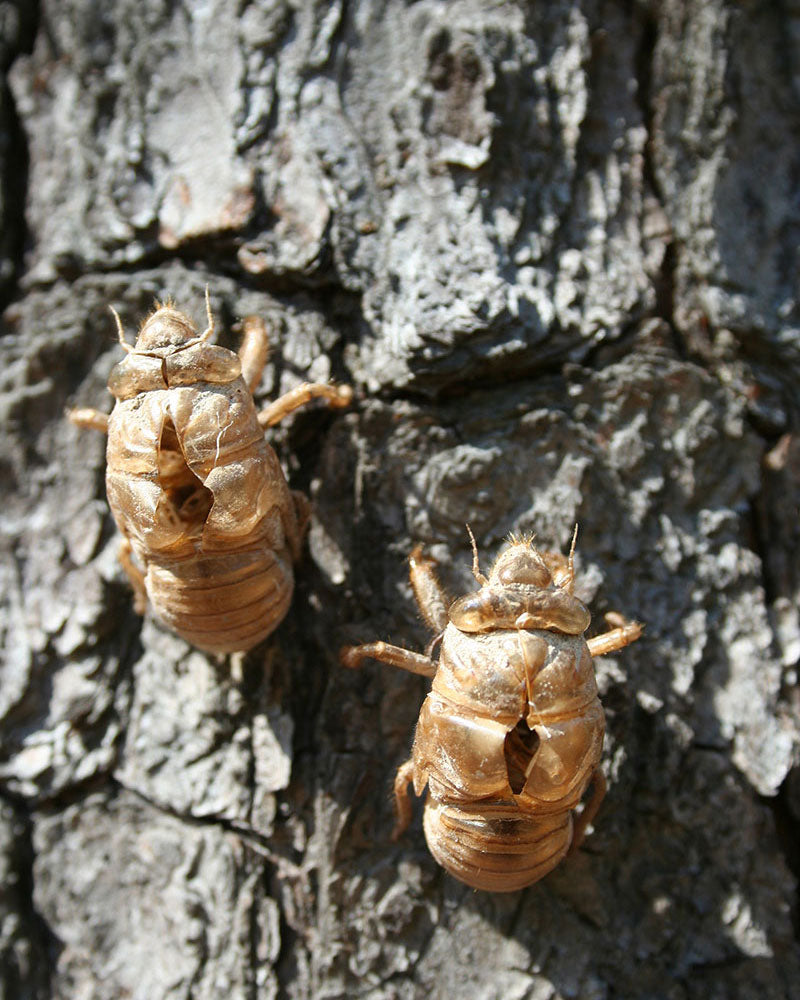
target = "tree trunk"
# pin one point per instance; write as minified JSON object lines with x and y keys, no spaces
{"x":554,"y":248}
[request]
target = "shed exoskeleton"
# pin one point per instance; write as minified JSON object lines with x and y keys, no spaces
{"x":210,"y":529}
{"x":511,"y":734}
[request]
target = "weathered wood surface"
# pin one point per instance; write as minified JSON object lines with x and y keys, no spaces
{"x":554,"y":246}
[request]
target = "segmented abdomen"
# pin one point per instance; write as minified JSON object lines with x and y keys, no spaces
{"x":495,"y":846}
{"x":222,"y":602}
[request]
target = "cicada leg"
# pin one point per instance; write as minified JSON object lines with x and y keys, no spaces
{"x":89,"y":418}
{"x":589,"y":811}
{"x":403,"y":778}
{"x":617,"y":638}
{"x":134,"y":574}
{"x":334,"y":395}
{"x":415,"y":663}
{"x":428,"y":592}
{"x":253,"y":350}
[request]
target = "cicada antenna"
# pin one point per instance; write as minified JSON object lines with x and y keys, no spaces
{"x":120,"y":332}
{"x":571,"y":561}
{"x":210,"y":329}
{"x":476,"y":570}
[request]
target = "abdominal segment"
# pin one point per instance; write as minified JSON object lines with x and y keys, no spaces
{"x":222,"y":602}
{"x":495,"y":846}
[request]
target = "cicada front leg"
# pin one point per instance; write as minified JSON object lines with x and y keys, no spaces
{"x":253,"y":354}
{"x":254,"y":350}
{"x":432,"y":604}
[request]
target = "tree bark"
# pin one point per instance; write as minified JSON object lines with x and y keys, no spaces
{"x":554,"y":248}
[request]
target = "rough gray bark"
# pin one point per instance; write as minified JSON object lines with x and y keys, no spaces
{"x":554,"y":247}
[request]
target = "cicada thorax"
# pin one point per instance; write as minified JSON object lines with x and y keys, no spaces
{"x":199,"y":493}
{"x":509,"y":736}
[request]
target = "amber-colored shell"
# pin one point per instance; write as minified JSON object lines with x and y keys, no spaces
{"x":198,"y":492}
{"x":511,"y":734}
{"x":484,"y":831}
{"x":210,"y":528}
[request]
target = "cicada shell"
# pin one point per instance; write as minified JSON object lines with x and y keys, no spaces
{"x":510,"y":736}
{"x":210,"y":529}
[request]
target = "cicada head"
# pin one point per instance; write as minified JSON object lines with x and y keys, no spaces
{"x":521,"y":592}
{"x":165,"y":327}
{"x":521,"y":563}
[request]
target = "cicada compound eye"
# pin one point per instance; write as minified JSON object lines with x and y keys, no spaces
{"x":473,"y":612}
